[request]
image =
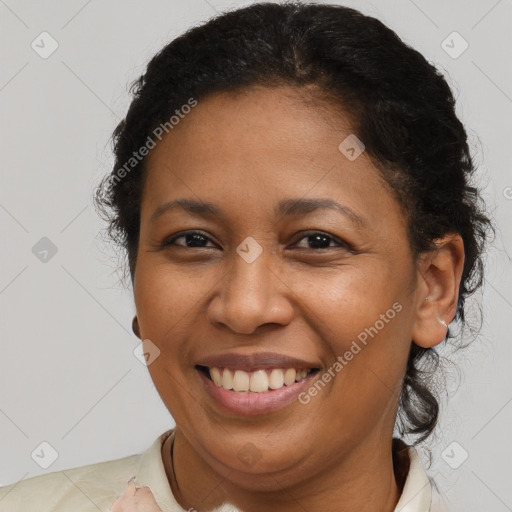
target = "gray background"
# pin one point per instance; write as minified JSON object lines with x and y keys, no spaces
{"x":68,"y":375}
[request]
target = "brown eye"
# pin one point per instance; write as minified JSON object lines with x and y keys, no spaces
{"x":320,"y":240}
{"x":192,"y":239}
{"x":196,"y":239}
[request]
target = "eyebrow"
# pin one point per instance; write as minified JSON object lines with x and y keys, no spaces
{"x":286,"y":207}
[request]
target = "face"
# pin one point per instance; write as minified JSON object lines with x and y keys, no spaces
{"x":265,"y":279}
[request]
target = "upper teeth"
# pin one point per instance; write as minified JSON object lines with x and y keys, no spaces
{"x":258,"y":381}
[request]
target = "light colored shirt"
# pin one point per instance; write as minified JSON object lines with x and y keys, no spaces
{"x":96,"y":487}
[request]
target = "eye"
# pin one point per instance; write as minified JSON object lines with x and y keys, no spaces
{"x":196,"y":239}
{"x":320,"y":240}
{"x":191,"y":238}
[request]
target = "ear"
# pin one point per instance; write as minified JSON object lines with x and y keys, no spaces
{"x":135,"y":327}
{"x":439,"y":275}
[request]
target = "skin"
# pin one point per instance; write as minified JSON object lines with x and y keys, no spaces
{"x":245,"y":152}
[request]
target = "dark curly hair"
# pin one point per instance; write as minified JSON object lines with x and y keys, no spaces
{"x":399,"y":104}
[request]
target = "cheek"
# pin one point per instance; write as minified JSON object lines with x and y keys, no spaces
{"x":347,"y":300}
{"x":166,"y":299}
{"x":361,"y":318}
{"x":166,"y":302}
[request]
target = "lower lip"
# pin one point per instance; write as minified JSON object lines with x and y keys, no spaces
{"x":248,"y":403}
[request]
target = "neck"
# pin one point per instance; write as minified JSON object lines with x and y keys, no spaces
{"x":364,"y":480}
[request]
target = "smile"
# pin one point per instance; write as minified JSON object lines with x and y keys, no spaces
{"x":258,"y":381}
{"x":261,"y":391}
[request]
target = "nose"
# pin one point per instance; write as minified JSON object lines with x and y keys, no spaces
{"x":251,"y":295}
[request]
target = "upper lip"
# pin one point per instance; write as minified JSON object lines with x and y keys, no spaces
{"x":251,"y":362}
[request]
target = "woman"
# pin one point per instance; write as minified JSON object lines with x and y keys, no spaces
{"x":293,"y":191}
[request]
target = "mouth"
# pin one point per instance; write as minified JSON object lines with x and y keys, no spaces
{"x":257,"y":392}
{"x":263,"y":380}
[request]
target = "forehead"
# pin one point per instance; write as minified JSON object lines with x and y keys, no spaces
{"x":251,"y":149}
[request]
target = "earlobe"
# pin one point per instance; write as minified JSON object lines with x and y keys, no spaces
{"x":135,"y":327}
{"x":439,"y":277}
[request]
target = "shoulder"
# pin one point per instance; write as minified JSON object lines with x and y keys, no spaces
{"x":82,"y":489}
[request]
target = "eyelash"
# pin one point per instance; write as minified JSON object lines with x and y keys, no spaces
{"x":170,"y":241}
